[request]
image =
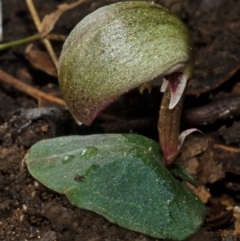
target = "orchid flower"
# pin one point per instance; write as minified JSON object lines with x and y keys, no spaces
{"x":123,"y":46}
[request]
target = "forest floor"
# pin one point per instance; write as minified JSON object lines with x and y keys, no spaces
{"x":30,"y":211}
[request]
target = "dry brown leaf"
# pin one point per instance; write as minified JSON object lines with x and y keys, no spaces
{"x":208,"y":161}
{"x":202,"y":192}
{"x":41,"y":60}
{"x":236,"y":231}
{"x":227,"y":157}
{"x":50,"y":20}
{"x":197,"y":157}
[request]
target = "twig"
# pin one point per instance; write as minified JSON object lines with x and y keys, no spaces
{"x":35,"y":93}
{"x":37,"y":22}
{"x":221,"y":109}
{"x":56,"y":37}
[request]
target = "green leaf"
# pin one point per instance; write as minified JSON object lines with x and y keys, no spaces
{"x":117,"y":48}
{"x":120,"y":177}
{"x":180,"y":172}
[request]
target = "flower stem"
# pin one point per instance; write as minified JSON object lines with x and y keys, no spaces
{"x":20,"y":42}
{"x":168,"y":127}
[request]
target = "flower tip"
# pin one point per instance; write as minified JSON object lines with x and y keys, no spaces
{"x":177,"y":82}
{"x":164,"y":85}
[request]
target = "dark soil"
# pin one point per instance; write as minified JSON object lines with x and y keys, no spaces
{"x":30,"y":211}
